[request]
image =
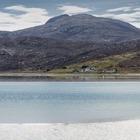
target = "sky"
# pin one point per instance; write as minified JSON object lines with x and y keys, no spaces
{"x":21,"y":14}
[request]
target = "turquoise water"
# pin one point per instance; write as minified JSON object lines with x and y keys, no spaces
{"x":65,"y":102}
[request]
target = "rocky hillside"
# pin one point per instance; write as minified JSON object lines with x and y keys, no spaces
{"x":46,"y":54}
{"x":68,"y":40}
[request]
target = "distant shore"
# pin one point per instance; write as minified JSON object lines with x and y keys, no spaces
{"x":125,"y":130}
{"x":65,"y":74}
{"x":68,"y":77}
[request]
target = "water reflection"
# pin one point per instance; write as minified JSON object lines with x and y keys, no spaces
{"x":68,"y":77}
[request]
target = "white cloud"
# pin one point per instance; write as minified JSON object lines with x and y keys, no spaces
{"x":136,"y":9}
{"x":70,"y":9}
{"x":133,"y":16}
{"x":29,"y":18}
{"x":125,"y":9}
{"x":129,"y":17}
{"x":136,"y":24}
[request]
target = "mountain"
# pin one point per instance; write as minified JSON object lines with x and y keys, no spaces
{"x":4,"y":34}
{"x":67,"y":40}
{"x":82,"y":27}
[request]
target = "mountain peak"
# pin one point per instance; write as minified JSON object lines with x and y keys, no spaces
{"x":65,"y":16}
{"x":61,"y":17}
{"x":83,"y":16}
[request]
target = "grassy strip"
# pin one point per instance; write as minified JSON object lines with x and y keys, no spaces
{"x":111,"y":62}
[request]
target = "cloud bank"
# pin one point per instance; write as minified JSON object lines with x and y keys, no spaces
{"x":127,"y":14}
{"x":20,"y":17}
{"x":124,"y":9}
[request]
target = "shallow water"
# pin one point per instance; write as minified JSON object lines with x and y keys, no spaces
{"x":65,"y":102}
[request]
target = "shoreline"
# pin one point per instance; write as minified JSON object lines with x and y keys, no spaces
{"x":68,"y":77}
{"x":122,"y":130}
{"x":66,"y":74}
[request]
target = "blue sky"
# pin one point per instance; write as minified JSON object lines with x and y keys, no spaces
{"x":20,"y":14}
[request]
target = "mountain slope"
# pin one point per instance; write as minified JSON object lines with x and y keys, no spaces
{"x":4,"y":34}
{"x":30,"y":53}
{"x":82,"y":27}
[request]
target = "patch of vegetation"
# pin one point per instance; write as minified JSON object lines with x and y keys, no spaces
{"x":108,"y":63}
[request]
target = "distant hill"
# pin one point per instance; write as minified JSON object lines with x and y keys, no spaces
{"x":67,"y":40}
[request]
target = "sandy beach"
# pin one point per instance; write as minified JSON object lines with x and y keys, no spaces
{"x":125,"y":130}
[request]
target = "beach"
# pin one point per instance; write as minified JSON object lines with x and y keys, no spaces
{"x":123,"y":130}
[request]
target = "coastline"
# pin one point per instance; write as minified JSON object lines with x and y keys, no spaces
{"x":66,"y":74}
{"x":122,"y":130}
{"x":33,"y":77}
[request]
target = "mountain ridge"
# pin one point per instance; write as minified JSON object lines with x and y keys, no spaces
{"x":81,"y":27}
